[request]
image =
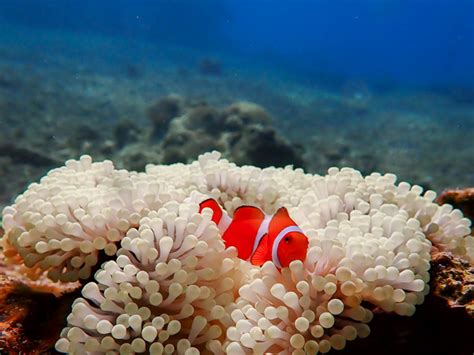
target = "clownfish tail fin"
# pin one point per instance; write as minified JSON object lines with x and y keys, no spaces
{"x":214,"y":206}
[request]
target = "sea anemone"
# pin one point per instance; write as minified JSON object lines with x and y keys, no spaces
{"x":75,"y":215}
{"x":173,"y":287}
{"x":368,"y":243}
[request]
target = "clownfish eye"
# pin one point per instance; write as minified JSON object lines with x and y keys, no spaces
{"x":287,"y":239}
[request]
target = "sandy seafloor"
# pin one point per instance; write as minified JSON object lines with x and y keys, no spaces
{"x":62,"y":95}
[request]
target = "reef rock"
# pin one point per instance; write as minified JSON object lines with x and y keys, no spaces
{"x":453,"y":280}
{"x":243,"y":132}
{"x":162,"y":112}
{"x":182,"y":129}
{"x":32,"y":313}
{"x":31,"y":321}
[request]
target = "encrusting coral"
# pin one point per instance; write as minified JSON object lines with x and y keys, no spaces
{"x":171,"y":286}
{"x":454,"y":281}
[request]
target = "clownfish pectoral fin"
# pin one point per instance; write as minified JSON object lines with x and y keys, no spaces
{"x":260,"y":256}
{"x":248,"y":213}
{"x":214,"y":206}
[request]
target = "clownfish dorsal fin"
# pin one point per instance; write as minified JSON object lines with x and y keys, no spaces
{"x":260,"y":256}
{"x":282,"y":212}
{"x":214,"y":206}
{"x":281,"y":219}
{"x":248,"y":213}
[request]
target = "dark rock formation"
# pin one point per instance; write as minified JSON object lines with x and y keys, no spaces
{"x":30,"y":321}
{"x":126,"y":132}
{"x":161,"y":113}
{"x":242,"y":132}
{"x":22,"y":154}
{"x":453,"y":280}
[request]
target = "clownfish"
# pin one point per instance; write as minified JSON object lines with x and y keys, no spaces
{"x":258,"y":237}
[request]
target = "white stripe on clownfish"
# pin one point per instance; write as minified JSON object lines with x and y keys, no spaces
{"x":224,"y":222}
{"x":277,"y":242}
{"x":262,"y":230}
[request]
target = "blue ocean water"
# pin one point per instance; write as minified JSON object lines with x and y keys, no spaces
{"x":388,"y":42}
{"x":378,"y":85}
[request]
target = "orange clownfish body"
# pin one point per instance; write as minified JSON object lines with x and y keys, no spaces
{"x":259,"y":237}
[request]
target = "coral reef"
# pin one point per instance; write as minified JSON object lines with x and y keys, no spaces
{"x":181,"y":130}
{"x":125,"y":133}
{"x":242,"y":132}
{"x":31,"y":321}
{"x":162,"y":112}
{"x":169,"y":283}
{"x":84,"y":136}
{"x":27,"y":155}
{"x":453,"y":278}
{"x":454,"y":281}
{"x":32,"y":311}
{"x":435,"y":328}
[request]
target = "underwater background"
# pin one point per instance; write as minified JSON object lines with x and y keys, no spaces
{"x":382,"y":86}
